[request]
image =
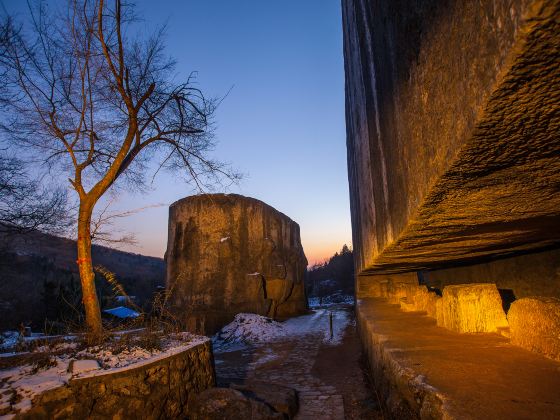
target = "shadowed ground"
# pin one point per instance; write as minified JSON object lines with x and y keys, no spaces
{"x":330,"y":378}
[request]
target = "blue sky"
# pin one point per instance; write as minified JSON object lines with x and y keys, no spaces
{"x":282,"y":124}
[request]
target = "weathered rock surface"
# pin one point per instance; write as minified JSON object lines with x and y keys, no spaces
{"x":535,"y":274}
{"x":423,"y":371}
{"x":228,"y":254}
{"x":535,"y":325}
{"x":227,"y":403}
{"x":471,"y":308}
{"x":452,"y":129}
{"x":282,"y":398}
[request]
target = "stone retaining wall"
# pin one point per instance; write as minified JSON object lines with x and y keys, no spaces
{"x":159,"y":389}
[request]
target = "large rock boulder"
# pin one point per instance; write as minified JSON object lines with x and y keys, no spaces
{"x":535,"y":325}
{"x":281,"y":398}
{"x":471,"y":308}
{"x":227,"y":403}
{"x":228,"y":254}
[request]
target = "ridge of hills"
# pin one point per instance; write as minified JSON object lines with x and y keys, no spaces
{"x":39,"y":281}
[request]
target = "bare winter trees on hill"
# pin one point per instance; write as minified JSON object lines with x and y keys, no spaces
{"x":25,"y":205}
{"x":87,"y":94}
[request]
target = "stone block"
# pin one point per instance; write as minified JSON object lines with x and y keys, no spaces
{"x":417,"y":298}
{"x":367,"y":286}
{"x":281,"y":398}
{"x":471,"y":308}
{"x":432,"y":303}
{"x":535,"y":325}
{"x":81,"y":366}
{"x":396,"y":291}
{"x":227,"y":403}
{"x":384,"y":289}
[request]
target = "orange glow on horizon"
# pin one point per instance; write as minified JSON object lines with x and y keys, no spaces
{"x":318,"y":253}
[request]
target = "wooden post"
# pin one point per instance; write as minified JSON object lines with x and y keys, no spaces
{"x":330,"y":325}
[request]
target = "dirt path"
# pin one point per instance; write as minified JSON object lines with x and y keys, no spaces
{"x":327,"y":374}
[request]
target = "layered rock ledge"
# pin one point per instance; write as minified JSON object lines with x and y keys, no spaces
{"x":228,"y":254}
{"x":453,"y":116}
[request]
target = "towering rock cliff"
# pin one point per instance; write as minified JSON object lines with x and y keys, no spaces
{"x":453,"y":122}
{"x":453,"y":115}
{"x":228,"y":254}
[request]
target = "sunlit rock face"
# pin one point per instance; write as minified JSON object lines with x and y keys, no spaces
{"x":471,"y":308}
{"x":452,"y":111}
{"x":228,"y":254}
{"x":535,"y":325}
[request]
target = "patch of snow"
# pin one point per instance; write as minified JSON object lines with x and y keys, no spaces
{"x":9,"y":339}
{"x":331,"y":300}
{"x":82,"y":366}
{"x":24,"y":382}
{"x":111,"y":360}
{"x":248,"y":329}
{"x":57,"y":347}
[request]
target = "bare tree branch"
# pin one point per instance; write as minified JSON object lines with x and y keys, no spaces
{"x":84,"y":94}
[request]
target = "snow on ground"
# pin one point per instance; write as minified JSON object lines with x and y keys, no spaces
{"x":327,"y":301}
{"x":248,"y":329}
{"x":9,"y":339}
{"x":22,"y":383}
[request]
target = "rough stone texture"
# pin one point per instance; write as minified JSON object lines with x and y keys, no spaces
{"x":378,"y":285}
{"x":536,"y":274}
{"x":281,"y":398}
{"x":535,"y":325}
{"x":471,"y":308}
{"x":227,"y":403}
{"x":452,"y":122}
{"x":423,"y":371}
{"x":228,"y":254}
{"x":159,"y":389}
{"x":400,"y":289}
{"x":418,"y":298}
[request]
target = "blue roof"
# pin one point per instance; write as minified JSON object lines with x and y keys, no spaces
{"x":122,"y":312}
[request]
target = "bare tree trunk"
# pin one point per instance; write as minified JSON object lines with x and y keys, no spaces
{"x":87,"y":276}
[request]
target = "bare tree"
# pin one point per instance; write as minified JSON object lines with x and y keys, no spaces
{"x":100,"y":101}
{"x":103,"y":230}
{"x":25,"y":205}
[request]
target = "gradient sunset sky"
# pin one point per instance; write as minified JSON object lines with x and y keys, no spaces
{"x":282,"y":124}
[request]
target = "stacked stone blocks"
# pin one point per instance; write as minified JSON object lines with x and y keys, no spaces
{"x":532,"y":323}
{"x":158,"y":389}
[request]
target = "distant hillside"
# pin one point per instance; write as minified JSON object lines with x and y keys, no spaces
{"x":39,"y":278}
